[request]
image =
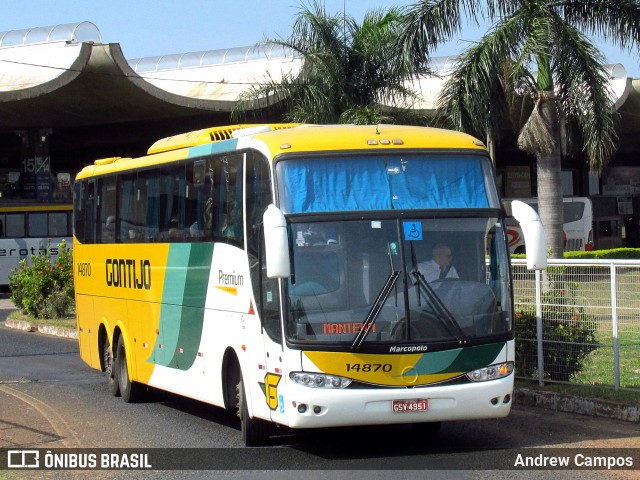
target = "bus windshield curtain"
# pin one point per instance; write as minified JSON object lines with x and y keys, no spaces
{"x":365,"y":183}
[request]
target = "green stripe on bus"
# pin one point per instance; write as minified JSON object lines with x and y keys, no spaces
{"x":183,"y":300}
{"x":172,"y":299}
{"x":192,"y":312}
{"x":464,"y":359}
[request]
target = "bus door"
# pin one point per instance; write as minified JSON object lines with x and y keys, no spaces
{"x":267,"y":368}
{"x":276,"y":359}
{"x":270,"y":376}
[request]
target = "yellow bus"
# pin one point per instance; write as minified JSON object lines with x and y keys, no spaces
{"x":283,"y":271}
{"x":31,"y":229}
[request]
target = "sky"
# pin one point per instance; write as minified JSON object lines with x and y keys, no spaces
{"x":145,"y":28}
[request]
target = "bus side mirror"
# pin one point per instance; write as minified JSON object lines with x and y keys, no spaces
{"x":533,"y":234}
{"x":276,"y":243}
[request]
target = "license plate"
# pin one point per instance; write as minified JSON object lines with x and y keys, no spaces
{"x":404,"y":406}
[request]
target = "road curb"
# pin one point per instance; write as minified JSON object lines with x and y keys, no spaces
{"x":580,"y":405}
{"x":47,"y":329}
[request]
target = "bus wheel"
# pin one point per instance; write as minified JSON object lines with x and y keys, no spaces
{"x":255,"y":431}
{"x":109,"y":368}
{"x":131,"y":392}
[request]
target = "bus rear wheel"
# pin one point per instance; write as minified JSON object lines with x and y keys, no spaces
{"x":255,"y":431}
{"x":109,"y":367}
{"x":130,"y":391}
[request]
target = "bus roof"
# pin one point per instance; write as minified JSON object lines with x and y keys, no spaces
{"x":287,"y":138}
{"x":363,"y":137}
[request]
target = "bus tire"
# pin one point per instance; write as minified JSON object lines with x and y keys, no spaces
{"x":130,"y":391}
{"x":255,"y":431}
{"x":109,"y":367}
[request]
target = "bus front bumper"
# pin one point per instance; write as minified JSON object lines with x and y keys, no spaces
{"x":319,"y":408}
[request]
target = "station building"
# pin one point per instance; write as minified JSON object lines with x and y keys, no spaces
{"x":67,"y":98}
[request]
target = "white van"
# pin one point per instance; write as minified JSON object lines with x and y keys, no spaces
{"x":578,"y":221}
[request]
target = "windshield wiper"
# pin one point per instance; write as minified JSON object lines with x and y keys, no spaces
{"x":438,"y":305}
{"x":375,"y":310}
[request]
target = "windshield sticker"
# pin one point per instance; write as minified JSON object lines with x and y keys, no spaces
{"x":412,"y":230}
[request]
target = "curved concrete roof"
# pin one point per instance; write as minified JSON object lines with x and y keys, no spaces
{"x":217,"y":75}
{"x":65,"y":83}
{"x":64,"y":77}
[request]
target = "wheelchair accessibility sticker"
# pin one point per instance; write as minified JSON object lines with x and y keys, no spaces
{"x":412,"y":230}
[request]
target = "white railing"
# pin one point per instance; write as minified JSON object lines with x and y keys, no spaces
{"x":581,"y":322}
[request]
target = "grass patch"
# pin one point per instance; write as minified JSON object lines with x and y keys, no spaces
{"x":68,"y":322}
{"x":594,"y":392}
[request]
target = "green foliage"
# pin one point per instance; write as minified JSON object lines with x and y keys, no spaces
{"x":569,"y":334}
{"x":353,"y":72}
{"x":614,"y":254}
{"x":44,"y":289}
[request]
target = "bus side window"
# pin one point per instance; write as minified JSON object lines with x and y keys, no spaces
{"x":89,"y":214}
{"x":268,"y":296}
{"x":228,"y":197}
{"x":1,"y":226}
{"x":15,"y":225}
{"x":172,"y":205}
{"x":258,"y":198}
{"x":138,"y":199}
{"x":57,"y":224}
{"x":37,"y":225}
{"x":107,"y":209}
{"x":78,"y":207}
{"x":197,"y":203}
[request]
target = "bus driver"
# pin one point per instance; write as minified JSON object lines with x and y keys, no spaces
{"x":439,"y":267}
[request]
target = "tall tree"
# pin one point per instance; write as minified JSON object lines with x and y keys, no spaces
{"x":535,"y":49}
{"x":351,"y":72}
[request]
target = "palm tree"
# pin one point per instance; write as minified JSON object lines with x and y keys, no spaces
{"x":350,"y":72}
{"x":537,"y":50}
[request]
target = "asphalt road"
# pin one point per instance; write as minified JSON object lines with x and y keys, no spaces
{"x":49,"y":398}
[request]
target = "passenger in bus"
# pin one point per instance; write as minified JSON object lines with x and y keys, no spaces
{"x":208,"y":215}
{"x":109,"y":231}
{"x":174,"y":230}
{"x":194,"y":230}
{"x":229,"y":225}
{"x":439,"y":267}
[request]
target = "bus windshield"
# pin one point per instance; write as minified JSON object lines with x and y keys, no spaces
{"x":420,"y":280}
{"x":385,"y":182}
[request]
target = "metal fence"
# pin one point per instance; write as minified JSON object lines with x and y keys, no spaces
{"x":579,"y":322}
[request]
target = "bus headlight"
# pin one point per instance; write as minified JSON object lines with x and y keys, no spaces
{"x":319,"y":380}
{"x":492,"y":372}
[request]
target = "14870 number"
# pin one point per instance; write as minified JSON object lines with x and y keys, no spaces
{"x":369,"y":367}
